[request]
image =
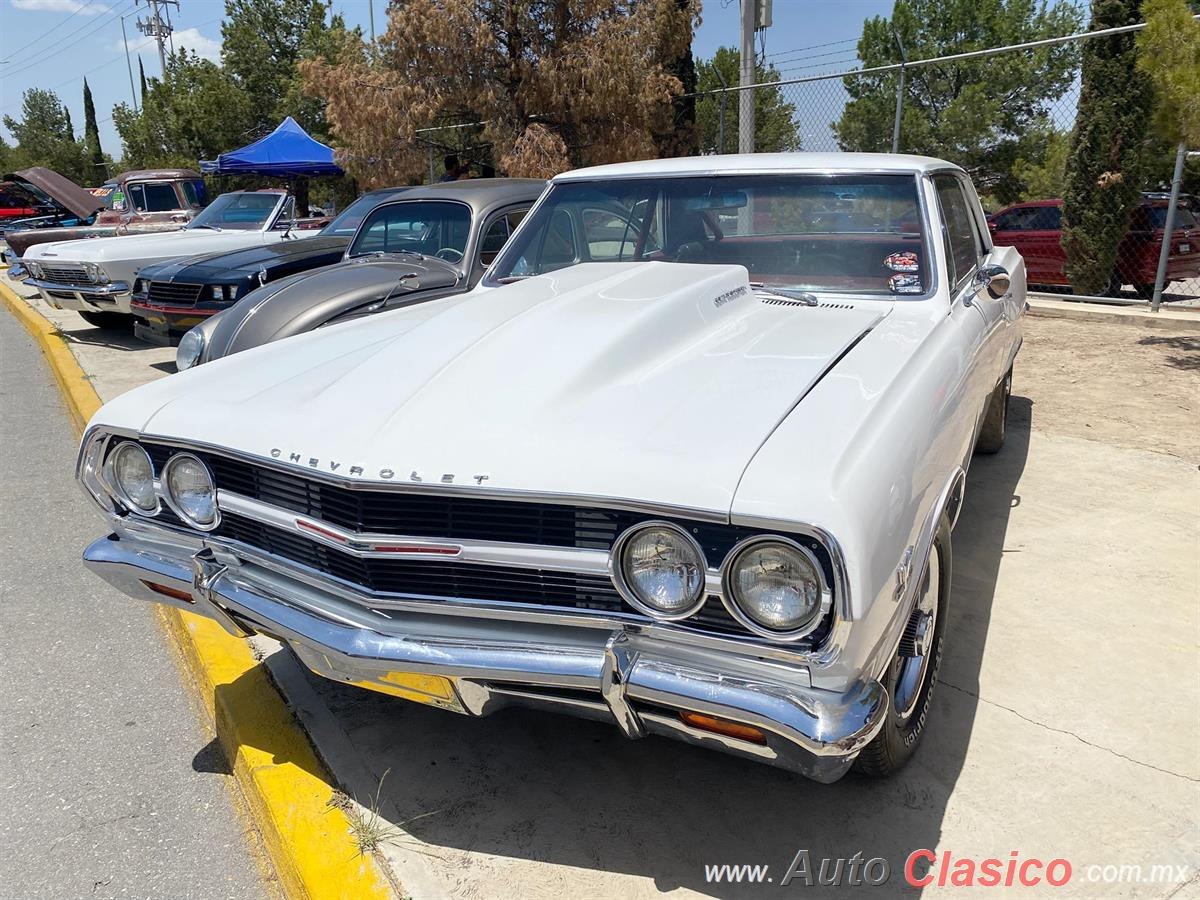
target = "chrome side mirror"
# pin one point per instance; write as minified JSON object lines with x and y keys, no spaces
{"x":994,"y":279}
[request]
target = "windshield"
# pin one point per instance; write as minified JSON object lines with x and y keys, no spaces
{"x":841,"y":233}
{"x":432,"y":227}
{"x":351,"y":217}
{"x":1158,"y":217}
{"x":238,"y":211}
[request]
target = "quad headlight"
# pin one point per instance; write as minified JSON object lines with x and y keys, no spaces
{"x":131,"y":475}
{"x":189,"y":490}
{"x":95,"y":273}
{"x":33,"y":267}
{"x":660,"y":570}
{"x":190,"y":348}
{"x":776,"y":587}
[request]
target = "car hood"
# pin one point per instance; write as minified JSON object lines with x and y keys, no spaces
{"x":654,"y":381}
{"x":138,"y":247}
{"x":300,"y":302}
{"x":60,"y":189}
{"x":232,"y":265}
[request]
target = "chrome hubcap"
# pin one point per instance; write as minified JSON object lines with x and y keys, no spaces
{"x":914,"y":655}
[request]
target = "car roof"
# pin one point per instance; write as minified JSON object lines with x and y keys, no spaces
{"x":479,"y":192}
{"x":156,"y":175}
{"x":750,"y":163}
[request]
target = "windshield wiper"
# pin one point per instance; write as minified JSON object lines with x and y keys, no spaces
{"x":786,"y":293}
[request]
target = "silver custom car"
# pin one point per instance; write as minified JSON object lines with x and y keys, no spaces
{"x":434,"y":241}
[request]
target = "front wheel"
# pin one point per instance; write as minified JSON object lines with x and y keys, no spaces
{"x":105,"y":319}
{"x":912,"y":673}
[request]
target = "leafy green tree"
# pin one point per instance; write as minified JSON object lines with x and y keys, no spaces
{"x":6,"y":157}
{"x":1043,"y":177}
{"x":1106,"y":166}
{"x":774,"y":118}
{"x":977,"y":113}
{"x":1169,"y":53}
{"x":264,"y":40}
{"x":91,"y":136}
{"x":195,"y":112}
{"x":44,"y":137}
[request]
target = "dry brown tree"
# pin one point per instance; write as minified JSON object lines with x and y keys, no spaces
{"x":554,"y":83}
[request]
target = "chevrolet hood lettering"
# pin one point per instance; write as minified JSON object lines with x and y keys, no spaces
{"x":551,"y":384}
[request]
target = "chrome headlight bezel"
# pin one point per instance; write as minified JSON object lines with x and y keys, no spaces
{"x":117,"y":490}
{"x":173,"y":502}
{"x":734,"y":604}
{"x":33,"y":267}
{"x":183,"y":358}
{"x":95,"y":273}
{"x":616,"y":566}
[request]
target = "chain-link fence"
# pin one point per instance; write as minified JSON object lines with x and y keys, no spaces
{"x":1006,"y":115}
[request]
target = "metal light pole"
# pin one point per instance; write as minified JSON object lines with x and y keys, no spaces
{"x":746,"y":95}
{"x":1169,"y":226}
{"x":899,"y":96}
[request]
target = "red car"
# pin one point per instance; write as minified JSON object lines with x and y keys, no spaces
{"x":1035,"y":229}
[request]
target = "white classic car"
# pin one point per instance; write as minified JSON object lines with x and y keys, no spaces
{"x":95,"y":277}
{"x":687,"y":461}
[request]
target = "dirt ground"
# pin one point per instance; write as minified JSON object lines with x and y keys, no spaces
{"x":1122,"y":384}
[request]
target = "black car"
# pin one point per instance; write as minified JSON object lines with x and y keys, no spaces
{"x":171,"y":297}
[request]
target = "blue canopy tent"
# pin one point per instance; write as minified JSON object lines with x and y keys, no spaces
{"x":287,"y":152}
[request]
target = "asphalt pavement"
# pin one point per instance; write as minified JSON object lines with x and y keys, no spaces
{"x":109,"y":784}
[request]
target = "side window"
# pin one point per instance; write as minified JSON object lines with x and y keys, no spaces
{"x":493,"y":240}
{"x":285,"y":215}
{"x":958,"y":228}
{"x":137,"y":197}
{"x":558,"y":244}
{"x":608,"y":236}
{"x":1046,"y":218}
{"x":194,"y":192}
{"x":160,"y":197}
{"x":1013,"y":220}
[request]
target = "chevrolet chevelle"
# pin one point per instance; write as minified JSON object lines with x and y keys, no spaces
{"x":687,"y":461}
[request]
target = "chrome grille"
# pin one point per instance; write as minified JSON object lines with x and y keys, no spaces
{"x":64,"y":273}
{"x":170,"y":293}
{"x":449,"y":580}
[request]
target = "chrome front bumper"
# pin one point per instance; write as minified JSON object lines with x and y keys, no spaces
{"x":112,"y":297}
{"x":620,"y":675}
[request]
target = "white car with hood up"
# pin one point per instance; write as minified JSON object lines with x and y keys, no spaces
{"x":95,"y":277}
{"x":688,"y":461}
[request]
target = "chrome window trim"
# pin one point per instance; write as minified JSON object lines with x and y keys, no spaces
{"x":731,"y":603}
{"x":617,"y":572}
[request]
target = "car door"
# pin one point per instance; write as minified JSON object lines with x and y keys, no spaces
{"x":1045,"y":262}
{"x":1013,"y":227}
{"x":981,"y":324}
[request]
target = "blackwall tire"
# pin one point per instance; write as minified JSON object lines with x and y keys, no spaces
{"x":911,"y":676}
{"x":995,"y":420}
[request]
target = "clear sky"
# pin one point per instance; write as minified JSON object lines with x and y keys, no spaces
{"x":55,"y":43}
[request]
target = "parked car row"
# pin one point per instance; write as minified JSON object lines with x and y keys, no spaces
{"x":678,"y":445}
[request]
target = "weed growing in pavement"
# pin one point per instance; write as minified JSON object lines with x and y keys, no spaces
{"x":371,"y":831}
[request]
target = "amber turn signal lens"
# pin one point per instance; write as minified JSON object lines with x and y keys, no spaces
{"x":170,"y":592}
{"x":723,"y":726}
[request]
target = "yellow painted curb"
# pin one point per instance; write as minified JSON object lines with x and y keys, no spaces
{"x":285,"y":784}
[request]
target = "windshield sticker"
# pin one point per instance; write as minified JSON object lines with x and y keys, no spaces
{"x":905,"y":261}
{"x":118,"y":200}
{"x":905,"y":284}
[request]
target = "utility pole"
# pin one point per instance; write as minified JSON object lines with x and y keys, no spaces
{"x":156,"y":28}
{"x":746,"y":94}
{"x":129,"y":66}
{"x":371,"y":14}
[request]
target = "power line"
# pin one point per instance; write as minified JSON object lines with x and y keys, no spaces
{"x":813,"y":47}
{"x":45,"y":34}
{"x":58,"y":48}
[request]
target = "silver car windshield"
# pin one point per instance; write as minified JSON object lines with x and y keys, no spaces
{"x":858,"y":233}
{"x":237,"y":212}
{"x":428,"y":227}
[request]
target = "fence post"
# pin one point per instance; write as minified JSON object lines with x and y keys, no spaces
{"x":899,"y":95}
{"x":1165,"y":250}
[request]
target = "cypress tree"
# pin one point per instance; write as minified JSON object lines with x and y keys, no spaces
{"x":1106,"y":165}
{"x":142,"y":79}
{"x":91,"y":134}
